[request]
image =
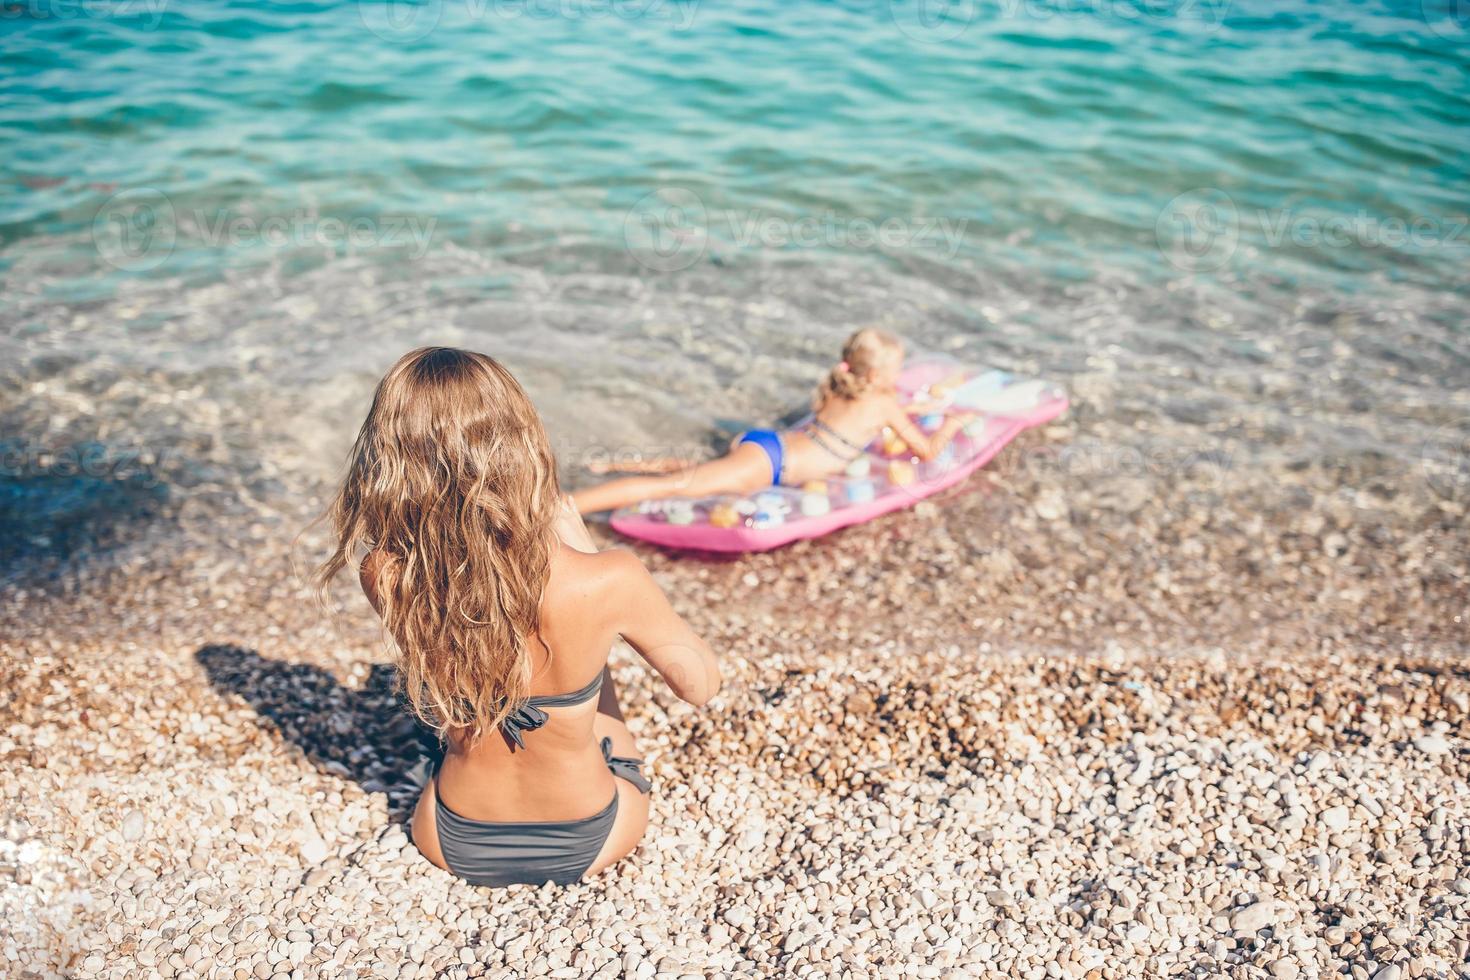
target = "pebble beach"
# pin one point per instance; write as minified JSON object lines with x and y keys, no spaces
{"x":994,"y":735}
{"x":1177,"y":685}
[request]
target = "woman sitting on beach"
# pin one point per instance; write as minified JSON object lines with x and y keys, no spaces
{"x":503,"y":613}
{"x":857,"y":401}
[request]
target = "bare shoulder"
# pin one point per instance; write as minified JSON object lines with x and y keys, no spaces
{"x":602,"y":576}
{"x":588,"y":598}
{"x":885,"y":405}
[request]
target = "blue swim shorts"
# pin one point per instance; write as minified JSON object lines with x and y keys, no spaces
{"x":770,"y":441}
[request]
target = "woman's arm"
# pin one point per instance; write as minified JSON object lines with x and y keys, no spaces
{"x":641,"y":613}
{"x":648,"y":622}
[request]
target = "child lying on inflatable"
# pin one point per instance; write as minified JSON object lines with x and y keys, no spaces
{"x":858,"y":400}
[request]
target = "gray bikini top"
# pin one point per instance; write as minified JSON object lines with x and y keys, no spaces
{"x":815,"y":432}
{"x":529,"y":716}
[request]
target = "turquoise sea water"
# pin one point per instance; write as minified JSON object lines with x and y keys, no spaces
{"x":1047,"y":134}
{"x":220,"y":220}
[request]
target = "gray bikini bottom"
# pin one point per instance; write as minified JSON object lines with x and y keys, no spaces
{"x":499,"y":854}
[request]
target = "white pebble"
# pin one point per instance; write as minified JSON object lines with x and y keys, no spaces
{"x":1285,"y":969}
{"x":133,"y":825}
{"x":1432,"y":744}
{"x":1252,"y":917}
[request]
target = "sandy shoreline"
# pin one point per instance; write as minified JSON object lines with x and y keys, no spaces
{"x":1041,"y":727}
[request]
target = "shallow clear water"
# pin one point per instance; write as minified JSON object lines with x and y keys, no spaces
{"x":1239,"y":222}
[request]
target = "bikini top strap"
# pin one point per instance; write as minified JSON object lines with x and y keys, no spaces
{"x":529,"y":714}
{"x":567,"y":700}
{"x":823,"y":427}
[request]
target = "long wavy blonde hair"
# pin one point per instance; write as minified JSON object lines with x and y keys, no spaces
{"x":866,"y":352}
{"x":452,"y":486}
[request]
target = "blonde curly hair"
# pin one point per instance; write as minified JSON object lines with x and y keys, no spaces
{"x":867,"y":352}
{"x":452,"y":487}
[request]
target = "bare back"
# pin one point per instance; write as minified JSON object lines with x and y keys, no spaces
{"x":856,"y":420}
{"x":560,"y":774}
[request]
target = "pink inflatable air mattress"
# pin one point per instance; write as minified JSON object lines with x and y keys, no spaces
{"x":882,"y":480}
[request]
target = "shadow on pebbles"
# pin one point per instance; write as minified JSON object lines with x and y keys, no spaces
{"x":890,"y":812}
{"x":1013,"y":734}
